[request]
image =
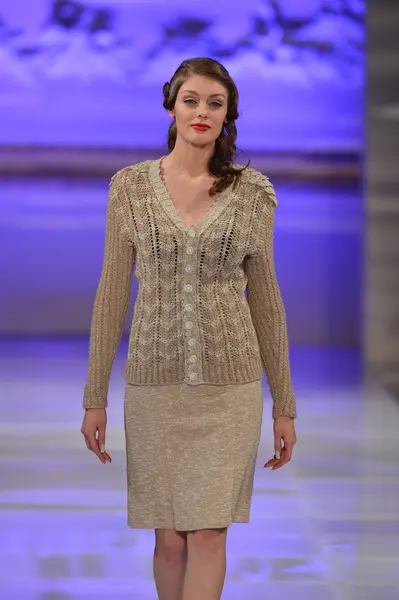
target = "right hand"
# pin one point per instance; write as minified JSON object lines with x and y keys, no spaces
{"x":93,"y":429}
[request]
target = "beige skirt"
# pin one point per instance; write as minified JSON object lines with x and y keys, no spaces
{"x":191,"y":453}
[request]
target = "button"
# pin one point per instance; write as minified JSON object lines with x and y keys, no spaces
{"x":189,"y":325}
{"x":191,"y":233}
{"x":193,"y":358}
{"x":193,"y":375}
{"x":189,"y":249}
{"x":188,"y":307}
{"x":188,"y":268}
{"x":192,"y":342}
{"x":188,"y":287}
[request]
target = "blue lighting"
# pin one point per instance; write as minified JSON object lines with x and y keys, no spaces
{"x":90,"y":73}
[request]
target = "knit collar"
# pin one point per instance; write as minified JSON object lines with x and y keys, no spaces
{"x":221,"y":201}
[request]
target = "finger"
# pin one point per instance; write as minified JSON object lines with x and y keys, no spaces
{"x":278,"y":447}
{"x":276,"y":457}
{"x":101,"y":439}
{"x":285,"y":458}
{"x":271,"y":462}
{"x":276,"y":461}
{"x":106,"y":455}
{"x":93,"y":445}
{"x":101,"y":444}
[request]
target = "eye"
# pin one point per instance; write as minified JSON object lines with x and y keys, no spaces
{"x":216,"y":103}
{"x":189,"y":101}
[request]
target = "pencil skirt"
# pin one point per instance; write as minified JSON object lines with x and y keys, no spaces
{"x":191,"y":453}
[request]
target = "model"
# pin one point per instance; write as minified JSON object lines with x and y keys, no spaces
{"x":208,"y":322}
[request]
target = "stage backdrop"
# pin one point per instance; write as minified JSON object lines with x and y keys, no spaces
{"x":90,"y":72}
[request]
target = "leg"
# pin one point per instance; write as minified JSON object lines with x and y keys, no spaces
{"x":170,"y":557}
{"x":206,"y":564}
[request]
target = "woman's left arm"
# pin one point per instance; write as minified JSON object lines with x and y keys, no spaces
{"x":269,"y":319}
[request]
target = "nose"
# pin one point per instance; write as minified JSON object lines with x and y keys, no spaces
{"x":202,"y":110}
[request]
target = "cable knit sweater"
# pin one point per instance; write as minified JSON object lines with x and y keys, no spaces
{"x":209,"y":308}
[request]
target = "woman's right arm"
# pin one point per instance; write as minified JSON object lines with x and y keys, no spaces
{"x":112,"y":296}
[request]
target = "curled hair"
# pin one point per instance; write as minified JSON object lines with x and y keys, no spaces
{"x":221,"y":163}
{"x":166,"y":90}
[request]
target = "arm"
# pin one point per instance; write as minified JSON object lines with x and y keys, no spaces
{"x":112,"y":298}
{"x":268,"y":315}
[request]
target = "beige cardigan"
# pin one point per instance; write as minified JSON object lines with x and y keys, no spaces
{"x":192,"y":322}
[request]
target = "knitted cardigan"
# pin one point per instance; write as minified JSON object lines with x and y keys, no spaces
{"x":208,"y":308}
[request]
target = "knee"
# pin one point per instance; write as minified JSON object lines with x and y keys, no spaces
{"x":207,"y":541}
{"x":170,"y":546}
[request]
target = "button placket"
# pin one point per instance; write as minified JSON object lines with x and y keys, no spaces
{"x":193,"y":367}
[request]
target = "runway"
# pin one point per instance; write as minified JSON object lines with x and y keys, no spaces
{"x":325,"y":527}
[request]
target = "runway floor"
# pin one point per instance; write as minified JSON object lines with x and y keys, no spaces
{"x":325,"y":527}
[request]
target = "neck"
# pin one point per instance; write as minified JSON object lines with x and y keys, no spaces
{"x":190,"y":160}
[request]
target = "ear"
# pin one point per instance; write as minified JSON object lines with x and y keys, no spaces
{"x":172,"y":113}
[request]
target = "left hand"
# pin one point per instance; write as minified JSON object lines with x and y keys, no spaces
{"x":284,"y":440}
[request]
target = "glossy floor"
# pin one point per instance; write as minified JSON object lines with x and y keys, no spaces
{"x":326,"y":527}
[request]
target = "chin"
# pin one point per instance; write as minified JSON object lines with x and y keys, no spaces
{"x":204,"y":137}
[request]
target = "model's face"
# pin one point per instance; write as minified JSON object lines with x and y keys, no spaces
{"x":200,"y":101}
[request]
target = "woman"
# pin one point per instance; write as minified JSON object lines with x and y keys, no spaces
{"x":200,"y":231}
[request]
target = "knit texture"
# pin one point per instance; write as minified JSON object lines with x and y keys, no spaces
{"x":208,"y":308}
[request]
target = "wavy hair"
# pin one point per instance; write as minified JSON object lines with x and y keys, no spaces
{"x":221,"y":163}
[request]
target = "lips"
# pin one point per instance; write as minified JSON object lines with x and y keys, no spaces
{"x":200,"y":127}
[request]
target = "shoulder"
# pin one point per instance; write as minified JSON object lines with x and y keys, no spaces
{"x":131,"y":173}
{"x":252,"y":180}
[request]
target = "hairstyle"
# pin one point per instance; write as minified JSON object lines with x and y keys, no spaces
{"x":221,"y":163}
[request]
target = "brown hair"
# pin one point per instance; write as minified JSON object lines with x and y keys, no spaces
{"x":222,"y":162}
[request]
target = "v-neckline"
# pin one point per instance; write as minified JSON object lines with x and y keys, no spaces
{"x":162,"y":192}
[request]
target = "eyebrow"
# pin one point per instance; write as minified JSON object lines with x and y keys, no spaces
{"x":196,"y":93}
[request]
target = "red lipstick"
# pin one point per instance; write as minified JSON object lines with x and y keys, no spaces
{"x":200,"y":127}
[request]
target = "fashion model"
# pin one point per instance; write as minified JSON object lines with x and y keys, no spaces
{"x":208,"y":322}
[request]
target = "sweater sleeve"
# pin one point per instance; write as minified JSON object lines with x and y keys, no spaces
{"x":112,"y":298}
{"x":268,"y":313}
